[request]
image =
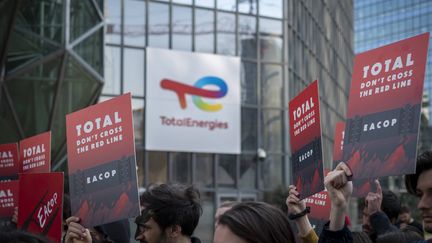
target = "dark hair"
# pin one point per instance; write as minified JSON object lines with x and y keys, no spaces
{"x":390,"y":204}
{"x":404,"y":209}
{"x":172,"y":204}
{"x":424,"y":162}
{"x":258,"y":222}
{"x":17,"y":236}
{"x":361,"y":237}
{"x":399,"y":237}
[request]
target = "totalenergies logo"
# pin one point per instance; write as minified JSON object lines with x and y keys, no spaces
{"x":197,"y":91}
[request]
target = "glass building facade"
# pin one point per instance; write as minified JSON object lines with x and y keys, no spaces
{"x":60,"y":56}
{"x":283,"y":45}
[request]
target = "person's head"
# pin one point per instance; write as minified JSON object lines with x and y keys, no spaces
{"x":225,"y":206}
{"x":17,"y":236}
{"x":399,"y":237}
{"x":253,"y":222}
{"x":360,"y":237}
{"x":405,"y":215}
{"x":420,"y":185}
{"x":170,"y":212}
{"x":390,"y":205}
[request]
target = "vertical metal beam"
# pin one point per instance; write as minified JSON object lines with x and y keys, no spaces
{"x":170,"y":25}
{"x":67,"y":18}
{"x":122,"y":12}
{"x":215,"y":29}
{"x":193,"y":26}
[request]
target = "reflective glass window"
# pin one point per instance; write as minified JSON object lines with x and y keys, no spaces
{"x":249,"y":129}
{"x":247,"y":36}
{"x":133,"y":74}
{"x":112,"y":70}
{"x":204,"y":30}
{"x":158,"y":25}
{"x":271,"y":130}
{"x":134,"y":26}
{"x":182,"y":28}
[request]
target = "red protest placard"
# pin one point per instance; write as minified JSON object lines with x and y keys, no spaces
{"x":35,"y":154}
{"x":320,"y":207}
{"x":384,"y":109}
{"x":361,"y":187}
{"x":306,"y":148}
{"x":40,"y":204}
{"x":9,"y":164}
{"x":8,"y":199}
{"x":101,"y":161}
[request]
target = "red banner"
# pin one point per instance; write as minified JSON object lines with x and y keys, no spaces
{"x":8,"y":198}
{"x":41,"y":203}
{"x":306,"y":148}
{"x":361,"y":187}
{"x":101,"y":160}
{"x":9,"y":163}
{"x":384,"y":109}
{"x":35,"y":154}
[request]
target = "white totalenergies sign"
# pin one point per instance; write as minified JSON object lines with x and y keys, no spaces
{"x":192,"y":102}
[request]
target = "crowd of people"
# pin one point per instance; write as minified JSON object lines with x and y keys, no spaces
{"x":171,"y":212}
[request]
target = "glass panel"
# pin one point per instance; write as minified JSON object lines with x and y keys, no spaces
{"x":181,"y":168}
{"x":204,"y":30}
{"x":138,"y":120}
{"x":158,"y":25}
{"x":271,"y":40}
{"x":205,"y":3}
{"x":157,"y":165}
{"x":7,"y":8}
{"x":8,"y":127}
{"x":249,"y":83}
{"x":182,"y":28}
{"x":271,"y":172}
{"x":83,"y":17}
{"x":228,"y":5}
{"x":204,"y":230}
{"x":134,"y":26}
{"x":34,"y":36}
{"x":271,"y":8}
{"x":133,"y":73}
{"x":271,"y":131}
{"x":90,"y":50}
{"x":227,"y":171}
{"x":271,"y":85}
{"x":113,"y":21}
{"x":248,"y":167}
{"x":32,"y":96}
{"x":248,"y":7}
{"x":204,"y":170}
{"x":249,"y":129}
{"x":44,"y":18}
{"x":112,"y":70}
{"x":247,"y":38}
{"x":226,"y":33}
